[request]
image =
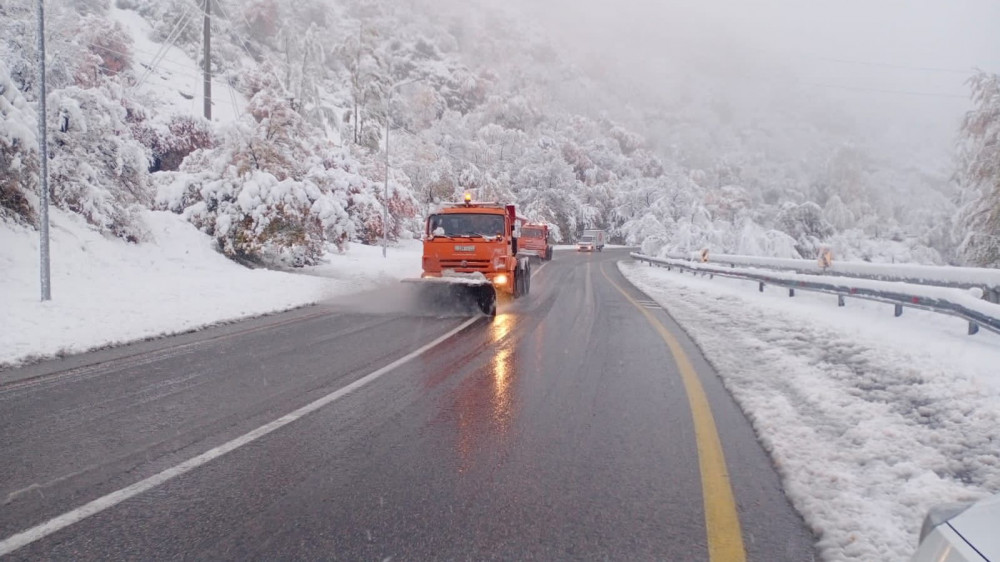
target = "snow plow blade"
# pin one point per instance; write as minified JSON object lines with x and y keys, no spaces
{"x":464,"y":292}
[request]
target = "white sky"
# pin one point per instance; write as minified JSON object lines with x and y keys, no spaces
{"x":862,"y":53}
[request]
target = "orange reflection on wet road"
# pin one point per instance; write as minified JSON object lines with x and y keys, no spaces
{"x":502,"y":370}
{"x":484,"y":402}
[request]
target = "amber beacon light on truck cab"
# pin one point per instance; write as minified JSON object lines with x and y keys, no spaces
{"x":470,"y":250}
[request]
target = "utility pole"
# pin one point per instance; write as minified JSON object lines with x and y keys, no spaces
{"x":43,"y":157}
{"x":207,"y":33}
{"x":385,"y":206}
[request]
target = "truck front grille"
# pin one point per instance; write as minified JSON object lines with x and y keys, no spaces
{"x":466,"y":265}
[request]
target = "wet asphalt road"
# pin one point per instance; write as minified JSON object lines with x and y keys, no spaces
{"x":558,"y":431}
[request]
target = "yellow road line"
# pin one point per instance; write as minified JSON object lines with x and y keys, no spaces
{"x":722,"y":523}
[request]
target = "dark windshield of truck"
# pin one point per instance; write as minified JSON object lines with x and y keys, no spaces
{"x":532,"y":232}
{"x":466,"y":224}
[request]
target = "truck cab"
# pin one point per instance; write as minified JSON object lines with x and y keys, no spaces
{"x":534,"y":241}
{"x":474,"y":239}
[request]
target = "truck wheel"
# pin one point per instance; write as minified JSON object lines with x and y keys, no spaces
{"x":548,"y":253}
{"x":527,"y":278}
{"x":517,"y":282}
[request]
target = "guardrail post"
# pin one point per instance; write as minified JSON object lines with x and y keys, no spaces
{"x":761,"y":287}
{"x":840,"y":300}
{"x":973,"y":328}
{"x":899,"y":310}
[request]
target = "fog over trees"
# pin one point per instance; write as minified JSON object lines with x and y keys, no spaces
{"x":672,"y":126}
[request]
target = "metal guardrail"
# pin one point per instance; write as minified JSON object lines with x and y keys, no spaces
{"x":931,"y":275}
{"x":944,"y":300}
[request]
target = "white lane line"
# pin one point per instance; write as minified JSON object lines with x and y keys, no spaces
{"x":59,"y":522}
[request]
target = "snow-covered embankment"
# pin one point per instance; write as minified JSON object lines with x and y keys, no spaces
{"x":869,"y":419}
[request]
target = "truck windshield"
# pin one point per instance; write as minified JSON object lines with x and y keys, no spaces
{"x":465,"y":224}
{"x":531,"y":232}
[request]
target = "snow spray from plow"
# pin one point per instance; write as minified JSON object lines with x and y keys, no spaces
{"x":473,"y":290}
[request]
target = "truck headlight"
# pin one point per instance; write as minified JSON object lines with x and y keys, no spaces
{"x":500,"y":279}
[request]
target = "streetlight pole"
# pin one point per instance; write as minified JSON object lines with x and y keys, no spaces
{"x":385,"y":194}
{"x":207,"y":45}
{"x":43,"y":156}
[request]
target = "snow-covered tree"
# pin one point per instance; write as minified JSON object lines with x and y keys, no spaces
{"x":806,"y":225}
{"x":360,"y":56}
{"x":18,"y":153}
{"x":106,"y":51}
{"x":96,"y":168}
{"x":979,"y":173}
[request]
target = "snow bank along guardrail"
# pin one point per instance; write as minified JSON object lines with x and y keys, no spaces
{"x":963,"y":303}
{"x":938,"y":276}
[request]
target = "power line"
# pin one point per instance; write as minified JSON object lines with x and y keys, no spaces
{"x":883,"y":91}
{"x":898,"y":66}
{"x":175,"y":72}
{"x":165,"y":47}
{"x":146,"y":65}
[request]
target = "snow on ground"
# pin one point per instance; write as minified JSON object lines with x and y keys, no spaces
{"x":362,"y":266}
{"x":869,"y":419}
{"x":106,"y":292}
{"x":176,"y":81}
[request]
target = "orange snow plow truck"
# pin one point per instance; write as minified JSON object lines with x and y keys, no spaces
{"x":534,"y":241}
{"x":470,"y":254}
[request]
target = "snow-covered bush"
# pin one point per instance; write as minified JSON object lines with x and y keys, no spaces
{"x":18,"y":153}
{"x":806,"y":225}
{"x":367,"y":198}
{"x":273,"y":192}
{"x":255,"y":215}
{"x":97,"y":169}
{"x":170,"y":138}
{"x":270,"y":219}
{"x":856,"y":245}
{"x":754,"y":240}
{"x":17,"y":37}
{"x":106,"y":51}
{"x":649,"y":233}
